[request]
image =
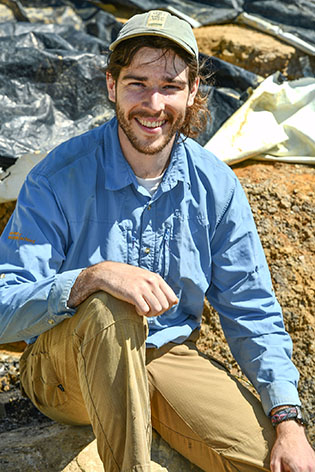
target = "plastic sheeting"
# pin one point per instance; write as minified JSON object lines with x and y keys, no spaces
{"x":275,"y":123}
{"x":294,"y":16}
{"x":229,"y":92}
{"x":52,"y":86}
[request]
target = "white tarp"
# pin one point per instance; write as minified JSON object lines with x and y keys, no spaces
{"x":276,"y":123}
{"x":12,"y":179}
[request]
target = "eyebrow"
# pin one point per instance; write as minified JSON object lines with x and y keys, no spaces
{"x":166,"y":78}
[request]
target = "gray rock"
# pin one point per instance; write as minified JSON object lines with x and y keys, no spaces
{"x":44,"y":448}
{"x":61,"y":448}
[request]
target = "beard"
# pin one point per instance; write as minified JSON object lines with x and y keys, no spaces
{"x":148,"y":145}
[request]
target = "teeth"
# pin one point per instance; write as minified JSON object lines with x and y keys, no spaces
{"x":151,"y":124}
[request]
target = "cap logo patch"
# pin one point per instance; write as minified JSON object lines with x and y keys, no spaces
{"x":156,"y":19}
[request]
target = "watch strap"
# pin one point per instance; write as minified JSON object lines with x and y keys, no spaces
{"x":286,"y":414}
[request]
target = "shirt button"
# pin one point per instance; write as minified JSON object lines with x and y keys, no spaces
{"x":147,"y":250}
{"x":149,"y":207}
{"x":51,"y":322}
{"x":2,"y":276}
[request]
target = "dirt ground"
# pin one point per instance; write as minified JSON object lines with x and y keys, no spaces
{"x":281,"y":197}
{"x":253,"y":50}
{"x":282,"y":200}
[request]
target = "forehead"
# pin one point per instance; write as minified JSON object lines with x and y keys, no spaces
{"x":152,"y":60}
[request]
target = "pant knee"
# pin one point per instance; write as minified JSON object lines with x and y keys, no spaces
{"x":102,"y":311}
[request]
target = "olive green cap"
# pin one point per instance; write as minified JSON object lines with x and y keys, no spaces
{"x":159,"y":23}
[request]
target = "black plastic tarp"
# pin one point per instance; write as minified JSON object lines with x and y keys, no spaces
{"x":295,"y":16}
{"x":206,"y":12}
{"x":52,"y":83}
{"x":52,"y":86}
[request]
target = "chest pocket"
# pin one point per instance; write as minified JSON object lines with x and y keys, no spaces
{"x":186,"y":248}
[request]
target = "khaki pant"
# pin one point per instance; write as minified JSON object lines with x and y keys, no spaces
{"x":94,"y":369}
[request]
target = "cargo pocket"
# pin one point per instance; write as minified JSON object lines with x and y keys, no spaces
{"x":46,"y":390}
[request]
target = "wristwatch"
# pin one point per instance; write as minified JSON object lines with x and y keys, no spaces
{"x":288,"y":413}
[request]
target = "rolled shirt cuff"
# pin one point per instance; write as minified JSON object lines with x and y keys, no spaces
{"x":60,"y":292}
{"x":277,"y":394}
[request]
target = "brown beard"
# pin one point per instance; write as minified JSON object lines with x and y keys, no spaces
{"x":138,"y":144}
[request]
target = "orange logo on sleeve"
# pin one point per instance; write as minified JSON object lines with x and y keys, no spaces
{"x":19,"y":237}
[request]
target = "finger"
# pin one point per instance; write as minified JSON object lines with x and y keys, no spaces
{"x":155,"y":304}
{"x":168,"y":292}
{"x":158,"y":300}
{"x":172,"y":298}
{"x":275,"y":466}
{"x":141,"y":306}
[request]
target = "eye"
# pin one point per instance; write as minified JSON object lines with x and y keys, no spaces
{"x":136,"y":84}
{"x":172,"y":87}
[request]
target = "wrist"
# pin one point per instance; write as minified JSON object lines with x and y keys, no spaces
{"x":287,"y":414}
{"x":87,"y":282}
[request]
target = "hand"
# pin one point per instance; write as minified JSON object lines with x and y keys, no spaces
{"x":147,"y":291}
{"x":291,"y":451}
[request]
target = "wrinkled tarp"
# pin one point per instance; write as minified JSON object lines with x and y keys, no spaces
{"x":295,"y":16}
{"x":229,"y":92}
{"x":51,"y":86}
{"x":275,"y":123}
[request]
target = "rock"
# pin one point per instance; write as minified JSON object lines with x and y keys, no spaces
{"x":87,"y":460}
{"x":62,"y":448}
{"x":44,"y":448}
{"x":163,"y":454}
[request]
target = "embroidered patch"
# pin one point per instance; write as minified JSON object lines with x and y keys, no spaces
{"x":19,"y":237}
{"x":156,"y":19}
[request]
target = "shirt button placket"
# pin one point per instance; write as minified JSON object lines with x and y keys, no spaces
{"x":147,"y":239}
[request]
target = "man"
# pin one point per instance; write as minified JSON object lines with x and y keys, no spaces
{"x":117,"y":237}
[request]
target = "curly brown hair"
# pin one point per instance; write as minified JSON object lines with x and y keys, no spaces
{"x":197,"y":114}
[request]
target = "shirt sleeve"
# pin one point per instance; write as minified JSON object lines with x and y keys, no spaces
{"x":33,"y":289}
{"x":241,"y":291}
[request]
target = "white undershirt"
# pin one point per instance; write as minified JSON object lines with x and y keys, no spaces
{"x":150,"y":185}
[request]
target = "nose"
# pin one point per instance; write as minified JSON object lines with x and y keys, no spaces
{"x":154,"y":100}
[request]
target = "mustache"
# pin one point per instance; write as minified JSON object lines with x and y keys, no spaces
{"x":145,"y":114}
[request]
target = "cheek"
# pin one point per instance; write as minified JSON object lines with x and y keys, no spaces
{"x":130,"y":99}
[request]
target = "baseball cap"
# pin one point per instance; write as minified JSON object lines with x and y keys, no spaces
{"x":159,"y":23}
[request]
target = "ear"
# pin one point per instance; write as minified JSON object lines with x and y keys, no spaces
{"x":111,"y":87}
{"x":193,"y":91}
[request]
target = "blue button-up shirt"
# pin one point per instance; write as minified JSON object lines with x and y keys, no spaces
{"x":83,"y":204}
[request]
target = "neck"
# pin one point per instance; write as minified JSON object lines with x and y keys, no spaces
{"x":145,"y":165}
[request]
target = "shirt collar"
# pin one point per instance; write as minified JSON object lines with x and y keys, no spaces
{"x":118,"y":173}
{"x":177,"y":169}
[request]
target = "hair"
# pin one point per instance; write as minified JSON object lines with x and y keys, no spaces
{"x":197,"y":115}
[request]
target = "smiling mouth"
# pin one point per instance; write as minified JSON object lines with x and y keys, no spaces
{"x":151,"y":124}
